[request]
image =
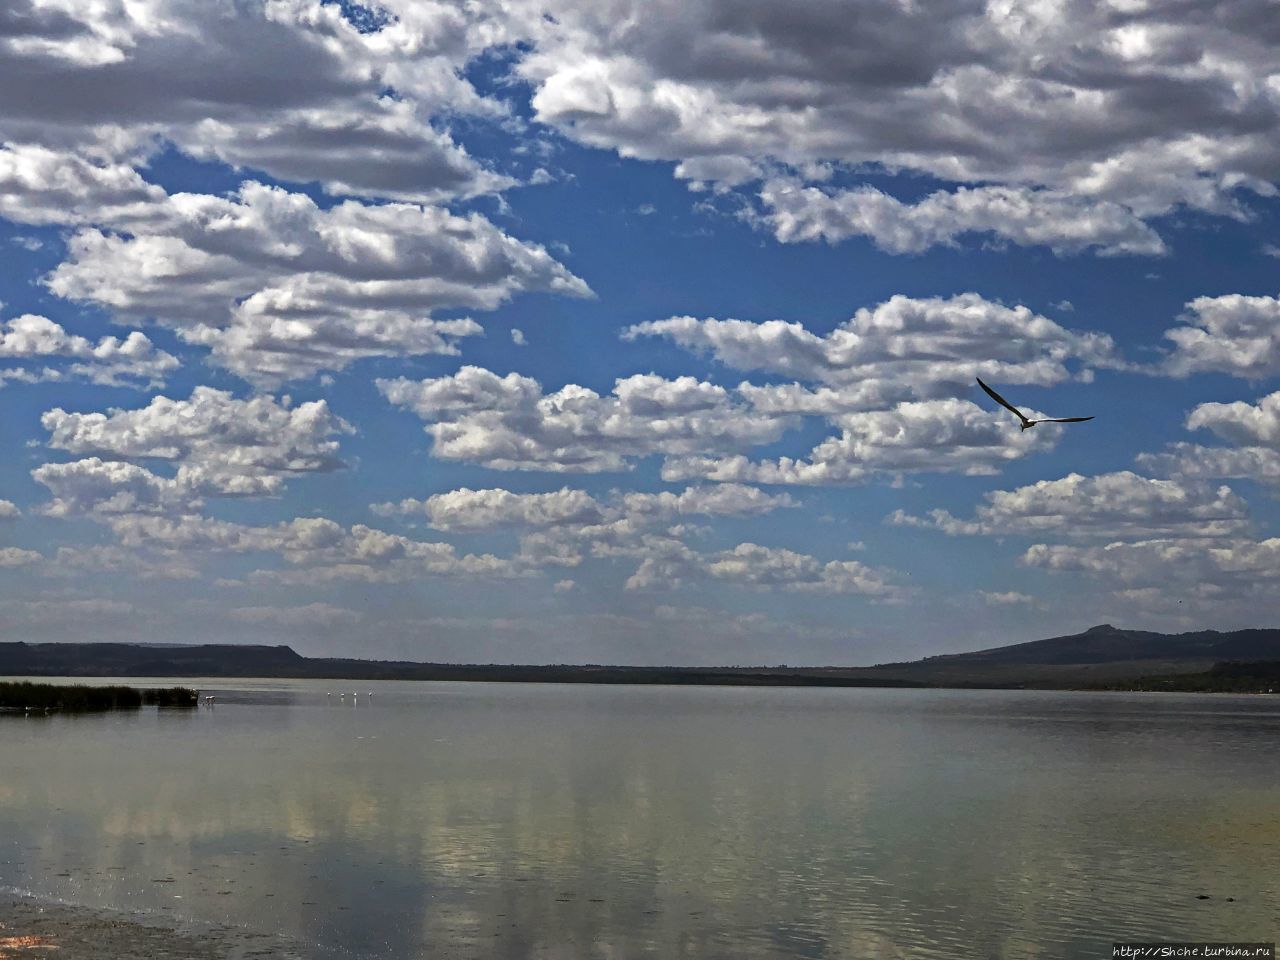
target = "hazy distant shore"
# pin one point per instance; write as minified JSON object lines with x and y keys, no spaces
{"x":1101,"y":658}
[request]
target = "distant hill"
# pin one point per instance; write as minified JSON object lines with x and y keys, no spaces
{"x":1101,"y":657}
{"x":145,"y":660}
{"x":1108,"y":644}
{"x":231,"y":660}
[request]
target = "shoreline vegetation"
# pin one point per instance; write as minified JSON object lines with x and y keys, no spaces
{"x":26,"y":697}
{"x":36,"y":927}
{"x":1232,"y":677}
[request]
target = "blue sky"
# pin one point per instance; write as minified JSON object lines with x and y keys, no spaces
{"x":633,"y":333}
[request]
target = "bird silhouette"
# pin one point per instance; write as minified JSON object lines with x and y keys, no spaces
{"x":1026,"y":421}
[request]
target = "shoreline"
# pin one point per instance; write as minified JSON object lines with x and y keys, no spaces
{"x":1101,"y":658}
{"x":1199,"y":682}
{"x":34,"y":928}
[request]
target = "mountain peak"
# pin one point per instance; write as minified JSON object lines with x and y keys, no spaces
{"x":1102,"y":628}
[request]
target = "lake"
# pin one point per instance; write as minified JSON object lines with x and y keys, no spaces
{"x":456,"y":820}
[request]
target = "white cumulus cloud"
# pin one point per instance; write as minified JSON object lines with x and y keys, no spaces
{"x":508,"y":423}
{"x":1066,"y":224}
{"x":1252,"y":429}
{"x":936,"y":436}
{"x":279,"y":288}
{"x":903,"y":348}
{"x":1122,"y":505}
{"x":111,"y":361}
{"x":1232,"y":334}
{"x":1079,"y":121}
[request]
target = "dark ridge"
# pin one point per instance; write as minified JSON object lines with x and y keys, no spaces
{"x":1103,"y":656}
{"x":228,"y":660}
{"x":144,"y":660}
{"x":1107,"y":644}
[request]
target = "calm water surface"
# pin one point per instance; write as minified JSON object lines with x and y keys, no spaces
{"x":544,"y":821}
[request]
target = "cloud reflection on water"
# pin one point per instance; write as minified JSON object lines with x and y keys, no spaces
{"x":520,"y":821}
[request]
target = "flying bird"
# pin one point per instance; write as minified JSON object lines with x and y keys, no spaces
{"x":1026,"y":421}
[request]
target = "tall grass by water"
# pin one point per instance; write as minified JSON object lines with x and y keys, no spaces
{"x":24,"y":696}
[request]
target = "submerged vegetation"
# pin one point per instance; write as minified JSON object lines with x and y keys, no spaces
{"x":24,"y":697}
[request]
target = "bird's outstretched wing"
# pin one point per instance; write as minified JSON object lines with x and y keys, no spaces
{"x":1000,"y":400}
{"x":1064,"y":420}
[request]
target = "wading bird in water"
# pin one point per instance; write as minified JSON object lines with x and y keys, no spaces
{"x":1026,"y":421}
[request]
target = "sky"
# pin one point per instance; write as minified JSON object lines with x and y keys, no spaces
{"x":637,"y":332}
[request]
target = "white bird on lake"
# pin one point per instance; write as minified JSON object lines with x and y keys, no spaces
{"x":1026,"y":422}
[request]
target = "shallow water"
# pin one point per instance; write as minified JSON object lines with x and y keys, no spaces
{"x":557,"y":821}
